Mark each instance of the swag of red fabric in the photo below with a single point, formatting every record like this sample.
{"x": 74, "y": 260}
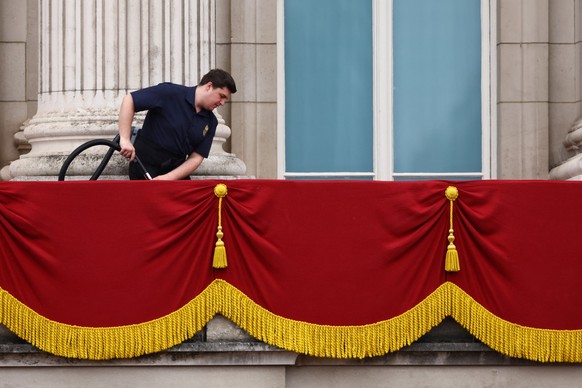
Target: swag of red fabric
{"x": 104, "y": 254}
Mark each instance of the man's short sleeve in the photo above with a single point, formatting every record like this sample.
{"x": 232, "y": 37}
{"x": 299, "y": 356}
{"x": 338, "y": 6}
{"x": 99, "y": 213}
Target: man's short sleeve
{"x": 151, "y": 97}
{"x": 204, "y": 147}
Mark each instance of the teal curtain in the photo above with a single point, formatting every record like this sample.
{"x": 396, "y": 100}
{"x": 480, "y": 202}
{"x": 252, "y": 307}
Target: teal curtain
{"x": 437, "y": 86}
{"x": 328, "y": 86}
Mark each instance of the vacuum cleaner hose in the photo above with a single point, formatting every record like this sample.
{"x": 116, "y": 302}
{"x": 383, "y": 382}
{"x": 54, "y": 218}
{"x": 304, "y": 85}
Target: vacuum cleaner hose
{"x": 113, "y": 146}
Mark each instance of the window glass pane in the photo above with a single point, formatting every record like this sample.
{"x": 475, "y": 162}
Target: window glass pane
{"x": 437, "y": 86}
{"x": 439, "y": 178}
{"x": 328, "y": 86}
{"x": 331, "y": 178}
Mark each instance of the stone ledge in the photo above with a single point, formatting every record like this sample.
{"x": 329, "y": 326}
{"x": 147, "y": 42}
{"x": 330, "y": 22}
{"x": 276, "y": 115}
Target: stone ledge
{"x": 259, "y": 354}
{"x": 222, "y": 343}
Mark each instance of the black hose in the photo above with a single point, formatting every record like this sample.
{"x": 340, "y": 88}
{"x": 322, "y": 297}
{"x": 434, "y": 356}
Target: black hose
{"x": 105, "y": 160}
{"x": 113, "y": 145}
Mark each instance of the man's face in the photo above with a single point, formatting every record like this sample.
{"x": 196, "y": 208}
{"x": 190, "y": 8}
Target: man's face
{"x": 215, "y": 97}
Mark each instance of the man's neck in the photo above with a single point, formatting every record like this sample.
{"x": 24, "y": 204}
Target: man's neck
{"x": 198, "y": 99}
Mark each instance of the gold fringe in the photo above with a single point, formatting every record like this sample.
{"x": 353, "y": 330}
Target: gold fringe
{"x": 543, "y": 345}
{"x": 331, "y": 341}
{"x": 219, "y": 259}
{"x": 308, "y": 338}
{"x": 452, "y": 257}
{"x": 103, "y": 343}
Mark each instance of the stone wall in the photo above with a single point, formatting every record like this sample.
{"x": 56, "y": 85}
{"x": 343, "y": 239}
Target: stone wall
{"x": 247, "y": 44}
{"x": 523, "y": 105}
{"x": 18, "y": 73}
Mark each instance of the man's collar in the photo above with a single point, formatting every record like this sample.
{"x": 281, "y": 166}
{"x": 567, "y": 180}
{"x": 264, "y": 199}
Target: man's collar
{"x": 191, "y": 95}
{"x": 191, "y": 98}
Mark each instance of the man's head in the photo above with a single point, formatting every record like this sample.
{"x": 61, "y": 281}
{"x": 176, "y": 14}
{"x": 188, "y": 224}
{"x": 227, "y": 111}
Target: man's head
{"x": 214, "y": 89}
{"x": 219, "y": 79}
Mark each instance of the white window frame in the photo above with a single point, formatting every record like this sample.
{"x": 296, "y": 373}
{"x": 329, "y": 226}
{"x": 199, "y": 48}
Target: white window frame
{"x": 383, "y": 99}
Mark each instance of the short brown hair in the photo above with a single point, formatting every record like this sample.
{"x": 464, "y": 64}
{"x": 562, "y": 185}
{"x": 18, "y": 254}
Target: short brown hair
{"x": 219, "y": 79}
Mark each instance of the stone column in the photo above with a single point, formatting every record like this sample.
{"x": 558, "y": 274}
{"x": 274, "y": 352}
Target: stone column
{"x": 571, "y": 169}
{"x": 523, "y": 107}
{"x": 93, "y": 52}
{"x": 566, "y": 91}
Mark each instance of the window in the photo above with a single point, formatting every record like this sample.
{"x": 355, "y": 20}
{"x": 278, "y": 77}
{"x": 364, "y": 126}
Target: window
{"x": 376, "y": 89}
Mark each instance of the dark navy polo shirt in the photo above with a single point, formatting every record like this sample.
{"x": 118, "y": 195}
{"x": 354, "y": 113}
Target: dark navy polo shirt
{"x": 172, "y": 121}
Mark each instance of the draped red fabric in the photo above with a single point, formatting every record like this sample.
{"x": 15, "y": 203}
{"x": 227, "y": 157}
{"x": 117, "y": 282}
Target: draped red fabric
{"x": 107, "y": 253}
{"x": 520, "y": 250}
{"x": 335, "y": 253}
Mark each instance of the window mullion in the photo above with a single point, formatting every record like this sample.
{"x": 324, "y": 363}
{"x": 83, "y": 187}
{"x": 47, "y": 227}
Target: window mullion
{"x": 382, "y": 62}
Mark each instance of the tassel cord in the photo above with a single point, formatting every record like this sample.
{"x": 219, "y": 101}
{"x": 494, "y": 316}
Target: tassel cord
{"x": 452, "y": 256}
{"x": 219, "y": 259}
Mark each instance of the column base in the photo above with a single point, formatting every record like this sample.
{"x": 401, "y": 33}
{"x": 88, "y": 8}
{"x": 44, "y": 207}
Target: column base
{"x": 47, "y": 168}
{"x": 569, "y": 170}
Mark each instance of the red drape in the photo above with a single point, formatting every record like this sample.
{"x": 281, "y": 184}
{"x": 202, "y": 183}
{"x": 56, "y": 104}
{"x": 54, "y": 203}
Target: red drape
{"x": 327, "y": 253}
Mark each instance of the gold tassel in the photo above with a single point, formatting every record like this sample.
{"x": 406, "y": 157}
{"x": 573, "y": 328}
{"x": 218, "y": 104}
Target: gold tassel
{"x": 219, "y": 260}
{"x": 452, "y": 258}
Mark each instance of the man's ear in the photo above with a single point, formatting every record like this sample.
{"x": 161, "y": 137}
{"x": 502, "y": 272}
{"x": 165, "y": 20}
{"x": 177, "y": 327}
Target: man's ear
{"x": 209, "y": 86}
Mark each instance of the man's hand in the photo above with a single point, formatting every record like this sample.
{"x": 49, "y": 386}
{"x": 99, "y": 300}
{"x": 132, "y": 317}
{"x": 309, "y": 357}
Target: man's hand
{"x": 127, "y": 149}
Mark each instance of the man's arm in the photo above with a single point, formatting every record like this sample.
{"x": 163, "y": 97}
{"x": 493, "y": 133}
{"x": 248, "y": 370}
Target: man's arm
{"x": 183, "y": 170}
{"x": 126, "y": 113}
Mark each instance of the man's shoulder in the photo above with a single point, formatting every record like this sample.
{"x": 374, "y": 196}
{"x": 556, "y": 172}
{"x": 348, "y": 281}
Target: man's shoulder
{"x": 170, "y": 86}
{"x": 162, "y": 88}
{"x": 168, "y": 91}
{"x": 161, "y": 95}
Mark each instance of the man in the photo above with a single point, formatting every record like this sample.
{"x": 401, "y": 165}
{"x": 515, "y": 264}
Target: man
{"x": 179, "y": 127}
